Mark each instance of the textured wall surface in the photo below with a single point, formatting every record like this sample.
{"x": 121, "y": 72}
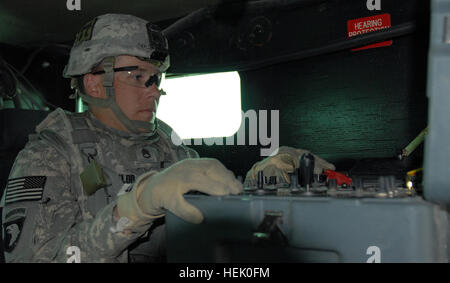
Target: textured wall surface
{"x": 343, "y": 106}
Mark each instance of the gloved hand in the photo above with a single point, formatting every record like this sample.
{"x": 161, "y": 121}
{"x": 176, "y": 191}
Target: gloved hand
{"x": 283, "y": 163}
{"x": 155, "y": 192}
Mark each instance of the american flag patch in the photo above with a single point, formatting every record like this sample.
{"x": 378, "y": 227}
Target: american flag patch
{"x": 25, "y": 189}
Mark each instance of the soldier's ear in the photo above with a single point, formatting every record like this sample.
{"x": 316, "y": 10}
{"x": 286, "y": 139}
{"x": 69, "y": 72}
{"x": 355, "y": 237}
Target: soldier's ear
{"x": 93, "y": 86}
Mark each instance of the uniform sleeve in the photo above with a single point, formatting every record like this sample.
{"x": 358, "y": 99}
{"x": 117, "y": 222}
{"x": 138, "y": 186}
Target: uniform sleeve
{"x": 42, "y": 219}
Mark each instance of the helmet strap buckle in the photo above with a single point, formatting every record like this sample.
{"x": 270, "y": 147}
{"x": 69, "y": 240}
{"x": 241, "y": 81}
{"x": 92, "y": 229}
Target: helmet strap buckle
{"x": 108, "y": 66}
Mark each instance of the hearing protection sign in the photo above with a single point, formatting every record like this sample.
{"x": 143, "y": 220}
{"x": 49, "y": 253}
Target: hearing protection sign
{"x": 369, "y": 24}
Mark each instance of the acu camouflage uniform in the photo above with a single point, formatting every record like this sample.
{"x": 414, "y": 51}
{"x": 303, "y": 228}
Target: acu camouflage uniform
{"x": 51, "y": 213}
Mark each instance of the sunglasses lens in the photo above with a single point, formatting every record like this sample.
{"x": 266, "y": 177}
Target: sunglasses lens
{"x": 135, "y": 76}
{"x": 154, "y": 79}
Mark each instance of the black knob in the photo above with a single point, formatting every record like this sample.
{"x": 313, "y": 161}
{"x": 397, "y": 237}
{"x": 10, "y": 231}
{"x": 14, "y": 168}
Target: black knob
{"x": 382, "y": 183}
{"x": 332, "y": 184}
{"x": 386, "y": 183}
{"x": 390, "y": 183}
{"x": 260, "y": 179}
{"x": 358, "y": 183}
{"x": 306, "y": 169}
{"x": 272, "y": 180}
{"x": 322, "y": 178}
{"x": 294, "y": 180}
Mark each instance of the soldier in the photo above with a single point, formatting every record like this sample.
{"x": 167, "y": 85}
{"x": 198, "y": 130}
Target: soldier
{"x": 93, "y": 186}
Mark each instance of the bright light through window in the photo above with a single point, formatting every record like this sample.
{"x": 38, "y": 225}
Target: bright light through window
{"x": 202, "y": 106}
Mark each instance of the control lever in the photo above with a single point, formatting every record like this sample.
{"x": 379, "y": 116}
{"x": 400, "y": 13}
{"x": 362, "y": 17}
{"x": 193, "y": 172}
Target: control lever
{"x": 306, "y": 171}
{"x": 294, "y": 181}
{"x": 260, "y": 183}
{"x": 260, "y": 180}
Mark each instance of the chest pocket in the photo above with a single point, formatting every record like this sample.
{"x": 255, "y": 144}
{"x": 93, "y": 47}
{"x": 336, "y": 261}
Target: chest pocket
{"x": 152, "y": 157}
{"x": 147, "y": 154}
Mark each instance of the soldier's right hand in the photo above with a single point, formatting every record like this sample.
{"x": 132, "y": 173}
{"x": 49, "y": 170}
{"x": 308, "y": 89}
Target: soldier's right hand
{"x": 156, "y": 192}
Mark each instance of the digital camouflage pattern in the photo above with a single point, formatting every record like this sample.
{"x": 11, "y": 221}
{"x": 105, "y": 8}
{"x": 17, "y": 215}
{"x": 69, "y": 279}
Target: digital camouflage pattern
{"x": 66, "y": 216}
{"x": 116, "y": 34}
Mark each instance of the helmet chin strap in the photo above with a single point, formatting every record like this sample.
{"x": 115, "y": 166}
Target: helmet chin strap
{"x": 134, "y": 126}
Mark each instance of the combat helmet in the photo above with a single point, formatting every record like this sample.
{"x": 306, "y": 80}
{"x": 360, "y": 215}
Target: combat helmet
{"x": 105, "y": 37}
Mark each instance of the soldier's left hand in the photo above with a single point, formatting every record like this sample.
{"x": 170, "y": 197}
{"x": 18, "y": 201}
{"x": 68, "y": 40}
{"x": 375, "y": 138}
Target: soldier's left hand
{"x": 283, "y": 163}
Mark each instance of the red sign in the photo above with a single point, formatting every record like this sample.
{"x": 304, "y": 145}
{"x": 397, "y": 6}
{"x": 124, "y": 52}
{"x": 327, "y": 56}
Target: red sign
{"x": 369, "y": 24}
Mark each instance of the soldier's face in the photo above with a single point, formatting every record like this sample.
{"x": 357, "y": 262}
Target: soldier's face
{"x": 136, "y": 101}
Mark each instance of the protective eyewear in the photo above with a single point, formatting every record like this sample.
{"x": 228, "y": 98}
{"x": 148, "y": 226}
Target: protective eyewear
{"x": 136, "y": 76}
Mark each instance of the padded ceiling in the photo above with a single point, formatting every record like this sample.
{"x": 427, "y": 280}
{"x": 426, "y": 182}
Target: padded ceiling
{"x": 31, "y": 22}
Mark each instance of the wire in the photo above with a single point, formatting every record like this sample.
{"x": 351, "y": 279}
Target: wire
{"x": 30, "y": 59}
{"x": 35, "y": 52}
{"x": 31, "y": 85}
{"x": 30, "y": 100}
{"x": 30, "y": 97}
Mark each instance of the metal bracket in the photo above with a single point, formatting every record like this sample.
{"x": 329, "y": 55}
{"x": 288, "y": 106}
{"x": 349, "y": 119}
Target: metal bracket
{"x": 269, "y": 231}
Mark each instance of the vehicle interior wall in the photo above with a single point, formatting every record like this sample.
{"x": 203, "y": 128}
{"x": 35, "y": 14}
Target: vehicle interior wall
{"x": 344, "y": 106}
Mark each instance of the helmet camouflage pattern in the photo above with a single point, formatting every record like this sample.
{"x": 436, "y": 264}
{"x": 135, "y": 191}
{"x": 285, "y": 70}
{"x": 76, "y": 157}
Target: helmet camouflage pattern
{"x": 113, "y": 35}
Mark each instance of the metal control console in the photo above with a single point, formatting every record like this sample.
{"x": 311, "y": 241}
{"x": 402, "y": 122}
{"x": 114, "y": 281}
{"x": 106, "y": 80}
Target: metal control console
{"x": 321, "y": 220}
{"x": 271, "y": 228}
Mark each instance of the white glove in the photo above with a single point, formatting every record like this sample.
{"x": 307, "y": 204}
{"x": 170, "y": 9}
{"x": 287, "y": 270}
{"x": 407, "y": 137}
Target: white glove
{"x": 154, "y": 192}
{"x": 283, "y": 163}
